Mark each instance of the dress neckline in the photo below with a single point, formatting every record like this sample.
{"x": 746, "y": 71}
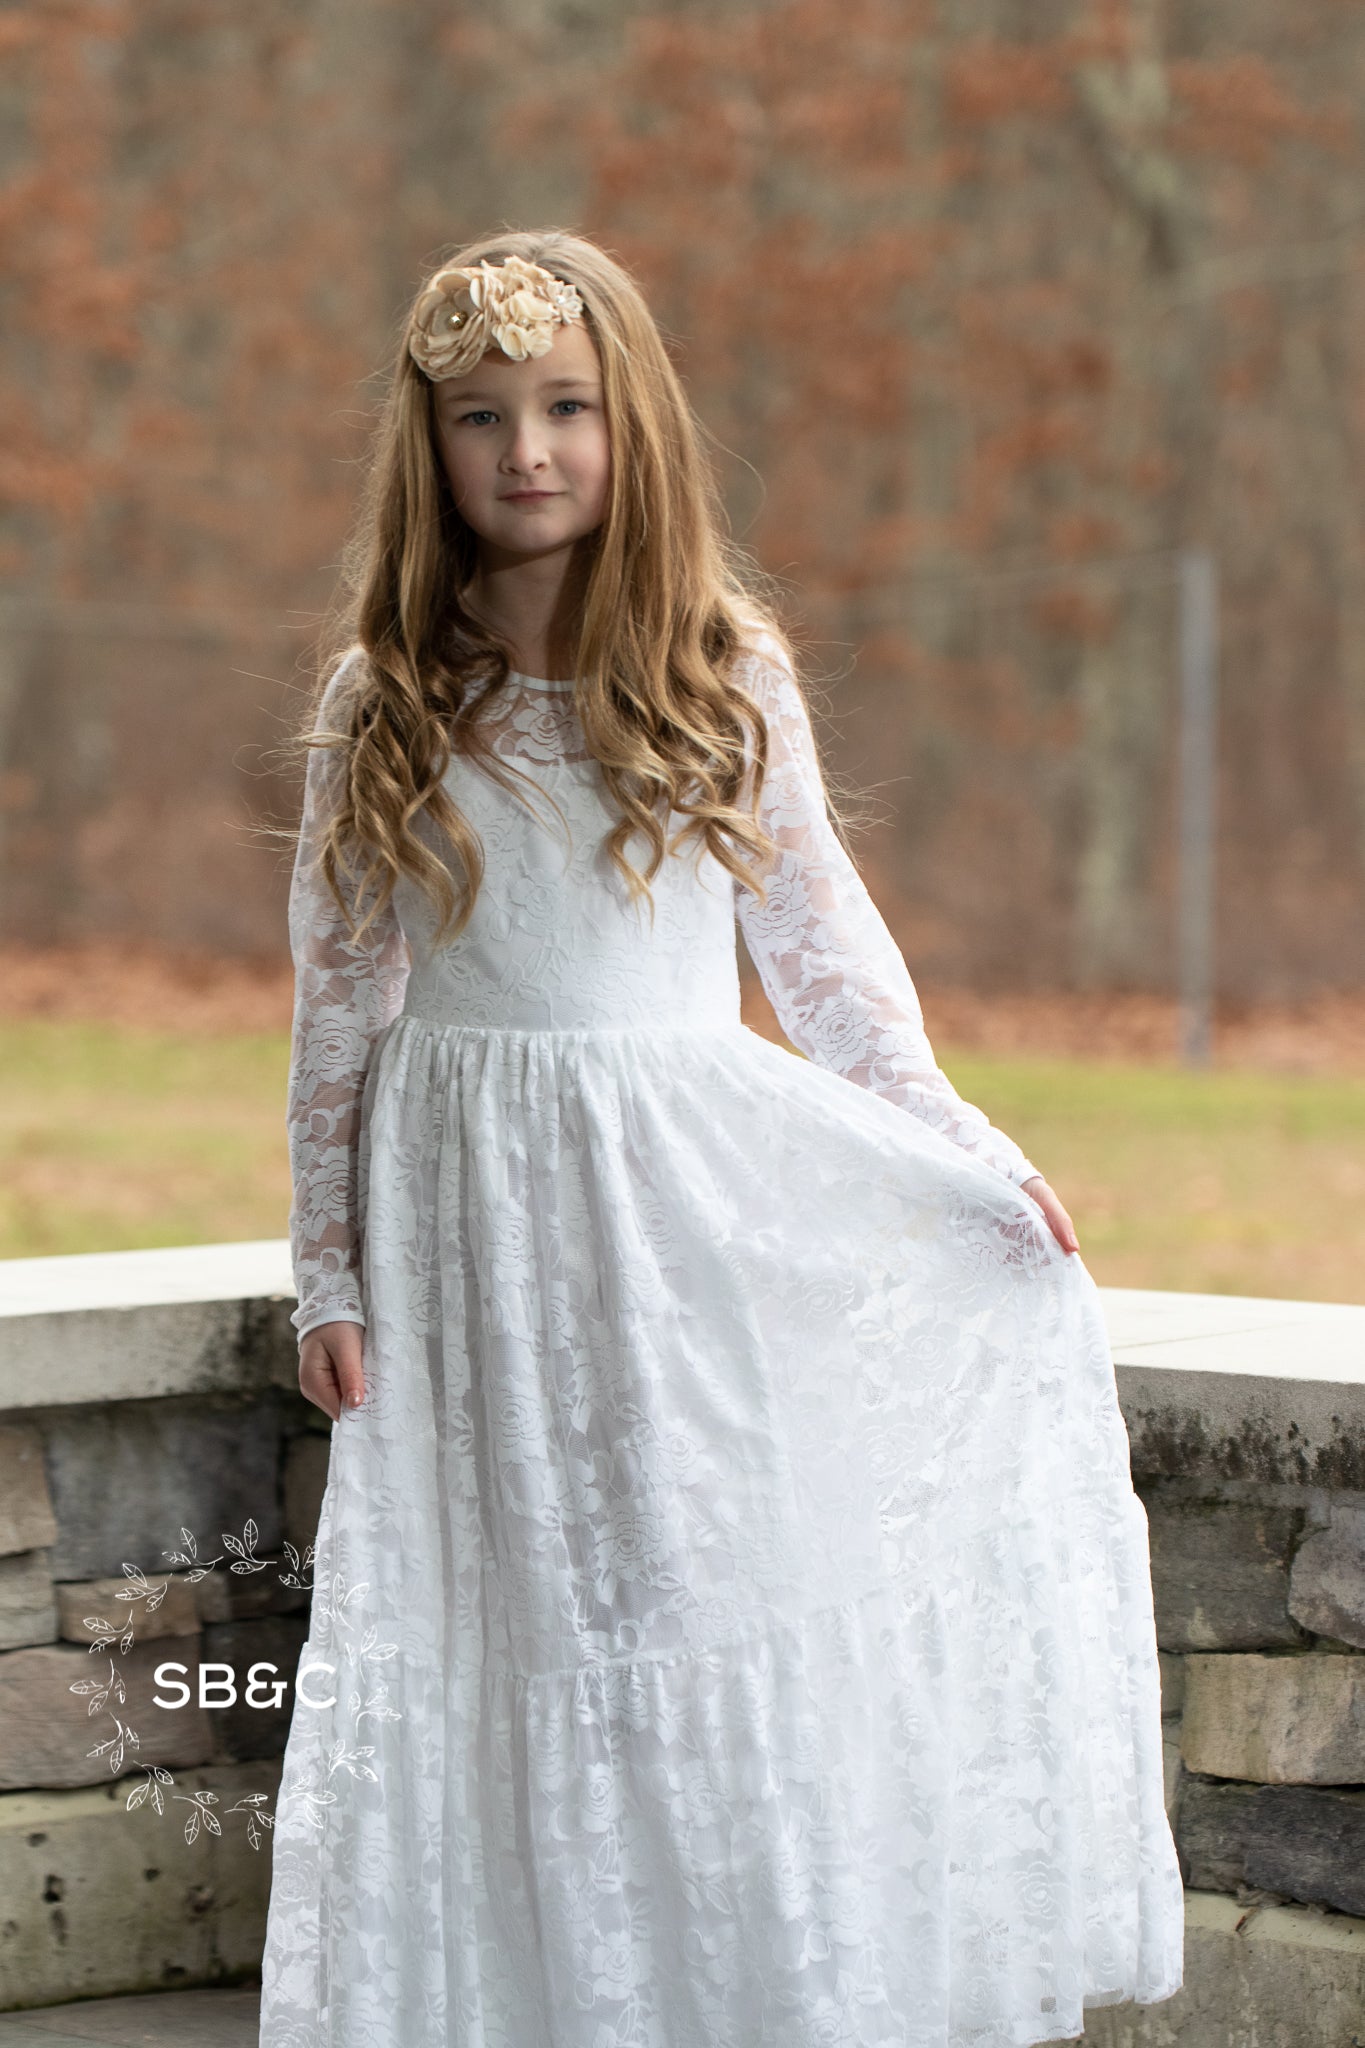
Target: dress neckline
{"x": 541, "y": 682}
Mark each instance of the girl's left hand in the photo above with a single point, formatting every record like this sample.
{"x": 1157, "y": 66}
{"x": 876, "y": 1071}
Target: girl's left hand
{"x": 1062, "y": 1227}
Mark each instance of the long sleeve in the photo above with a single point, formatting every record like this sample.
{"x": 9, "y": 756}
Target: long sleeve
{"x": 344, "y": 994}
{"x": 834, "y": 975}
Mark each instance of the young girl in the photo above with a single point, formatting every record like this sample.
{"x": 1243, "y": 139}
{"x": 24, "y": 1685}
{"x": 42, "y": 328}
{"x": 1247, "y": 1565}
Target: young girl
{"x": 732, "y": 1608}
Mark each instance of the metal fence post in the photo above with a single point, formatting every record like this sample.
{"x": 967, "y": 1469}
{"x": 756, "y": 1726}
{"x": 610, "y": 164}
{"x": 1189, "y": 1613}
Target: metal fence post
{"x": 1198, "y": 587}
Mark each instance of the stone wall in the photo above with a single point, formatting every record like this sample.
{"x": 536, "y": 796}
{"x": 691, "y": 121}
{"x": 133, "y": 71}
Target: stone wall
{"x": 1265, "y": 1780}
{"x": 1247, "y": 1427}
{"x": 153, "y": 1441}
{"x": 138, "y": 1531}
{"x": 1261, "y": 1614}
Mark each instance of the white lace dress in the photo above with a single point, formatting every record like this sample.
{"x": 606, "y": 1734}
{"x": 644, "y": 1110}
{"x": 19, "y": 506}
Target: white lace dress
{"x": 732, "y": 1624}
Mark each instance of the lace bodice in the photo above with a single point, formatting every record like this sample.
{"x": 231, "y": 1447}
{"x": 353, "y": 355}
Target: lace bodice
{"x": 555, "y": 944}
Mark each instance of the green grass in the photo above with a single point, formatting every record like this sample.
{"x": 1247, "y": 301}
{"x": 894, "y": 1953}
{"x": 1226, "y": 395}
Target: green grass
{"x": 1226, "y": 1182}
{"x": 1229, "y": 1181}
{"x": 112, "y": 1138}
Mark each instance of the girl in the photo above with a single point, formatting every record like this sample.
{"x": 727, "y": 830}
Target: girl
{"x": 731, "y": 1596}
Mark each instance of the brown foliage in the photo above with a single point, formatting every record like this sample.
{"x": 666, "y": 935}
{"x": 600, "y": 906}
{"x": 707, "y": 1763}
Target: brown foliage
{"x": 985, "y": 328}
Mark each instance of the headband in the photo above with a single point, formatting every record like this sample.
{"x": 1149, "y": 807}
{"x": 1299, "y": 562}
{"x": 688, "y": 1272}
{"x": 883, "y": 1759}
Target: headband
{"x": 515, "y": 306}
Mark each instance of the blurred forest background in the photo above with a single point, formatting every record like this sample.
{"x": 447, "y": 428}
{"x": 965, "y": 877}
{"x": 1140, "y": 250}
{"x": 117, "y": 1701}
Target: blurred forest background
{"x": 991, "y": 309}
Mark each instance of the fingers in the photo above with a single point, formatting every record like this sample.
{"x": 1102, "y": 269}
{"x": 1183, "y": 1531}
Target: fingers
{"x": 1063, "y": 1229}
{"x": 330, "y": 1367}
{"x": 316, "y": 1381}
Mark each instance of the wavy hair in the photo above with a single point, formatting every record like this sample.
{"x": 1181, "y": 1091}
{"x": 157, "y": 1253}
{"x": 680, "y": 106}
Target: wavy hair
{"x": 668, "y": 601}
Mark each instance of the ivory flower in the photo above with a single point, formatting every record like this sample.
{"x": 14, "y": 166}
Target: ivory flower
{"x": 464, "y": 311}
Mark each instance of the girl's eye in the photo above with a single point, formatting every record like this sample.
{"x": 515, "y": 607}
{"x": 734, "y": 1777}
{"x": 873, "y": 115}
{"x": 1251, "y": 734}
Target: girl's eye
{"x": 485, "y": 412}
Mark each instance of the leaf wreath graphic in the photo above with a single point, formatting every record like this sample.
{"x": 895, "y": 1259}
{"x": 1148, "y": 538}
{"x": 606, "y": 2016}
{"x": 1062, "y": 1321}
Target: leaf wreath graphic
{"x": 334, "y": 1607}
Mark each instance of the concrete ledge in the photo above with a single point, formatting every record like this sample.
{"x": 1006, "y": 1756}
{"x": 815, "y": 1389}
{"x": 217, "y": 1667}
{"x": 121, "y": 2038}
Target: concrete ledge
{"x": 1235, "y": 1386}
{"x": 118, "y": 1326}
{"x": 1273, "y": 1976}
{"x": 1247, "y": 1979}
{"x": 100, "y": 1901}
{"x": 1216, "y": 1385}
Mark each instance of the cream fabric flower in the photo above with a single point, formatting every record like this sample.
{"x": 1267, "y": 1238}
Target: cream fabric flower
{"x": 464, "y": 311}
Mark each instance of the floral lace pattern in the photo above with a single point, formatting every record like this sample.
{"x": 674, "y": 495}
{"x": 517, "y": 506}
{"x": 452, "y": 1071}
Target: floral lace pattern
{"x": 741, "y": 1481}
{"x": 835, "y": 977}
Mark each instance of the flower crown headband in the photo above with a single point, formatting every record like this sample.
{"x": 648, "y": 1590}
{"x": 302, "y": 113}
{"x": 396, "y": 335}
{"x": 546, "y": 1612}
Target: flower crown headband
{"x": 464, "y": 311}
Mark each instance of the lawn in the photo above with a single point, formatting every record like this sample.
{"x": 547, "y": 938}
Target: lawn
{"x": 1229, "y": 1181}
{"x": 113, "y": 1137}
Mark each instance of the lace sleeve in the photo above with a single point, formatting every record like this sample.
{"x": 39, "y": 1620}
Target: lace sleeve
{"x": 344, "y": 993}
{"x": 834, "y": 975}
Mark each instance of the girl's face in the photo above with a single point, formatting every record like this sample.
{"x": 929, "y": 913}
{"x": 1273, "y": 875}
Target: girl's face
{"x": 525, "y": 446}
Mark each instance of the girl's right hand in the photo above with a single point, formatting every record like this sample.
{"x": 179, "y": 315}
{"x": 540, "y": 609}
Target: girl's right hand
{"x": 330, "y": 1367}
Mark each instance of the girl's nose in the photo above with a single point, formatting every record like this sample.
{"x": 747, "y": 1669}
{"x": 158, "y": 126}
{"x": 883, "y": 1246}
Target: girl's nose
{"x": 527, "y": 449}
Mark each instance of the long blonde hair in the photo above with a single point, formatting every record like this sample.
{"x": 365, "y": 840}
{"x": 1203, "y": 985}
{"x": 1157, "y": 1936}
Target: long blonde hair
{"x": 669, "y": 602}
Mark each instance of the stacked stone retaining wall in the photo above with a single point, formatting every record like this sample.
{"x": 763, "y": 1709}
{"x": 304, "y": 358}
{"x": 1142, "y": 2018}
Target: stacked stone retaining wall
{"x": 160, "y": 1480}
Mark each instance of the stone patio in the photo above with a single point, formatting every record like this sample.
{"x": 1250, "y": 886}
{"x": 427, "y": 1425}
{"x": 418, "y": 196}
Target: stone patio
{"x": 166, "y": 2019}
